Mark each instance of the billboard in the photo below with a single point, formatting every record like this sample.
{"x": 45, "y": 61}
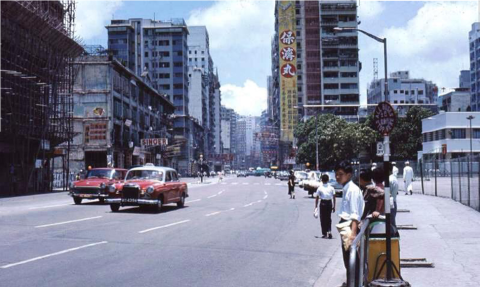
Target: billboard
{"x": 287, "y": 40}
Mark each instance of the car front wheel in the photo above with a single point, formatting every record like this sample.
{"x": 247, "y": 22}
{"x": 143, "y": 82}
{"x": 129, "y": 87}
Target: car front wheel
{"x": 115, "y": 207}
{"x": 158, "y": 208}
{"x": 101, "y": 200}
{"x": 181, "y": 203}
{"x": 77, "y": 200}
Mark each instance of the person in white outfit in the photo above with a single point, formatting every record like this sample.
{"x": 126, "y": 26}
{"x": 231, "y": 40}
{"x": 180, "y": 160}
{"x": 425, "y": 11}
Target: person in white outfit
{"x": 326, "y": 196}
{"x": 408, "y": 178}
{"x": 394, "y": 169}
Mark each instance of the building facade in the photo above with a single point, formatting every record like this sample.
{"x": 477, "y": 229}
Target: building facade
{"x": 448, "y": 135}
{"x": 474, "y": 41}
{"x": 159, "y": 50}
{"x": 455, "y": 101}
{"x": 403, "y": 92}
{"x": 114, "y": 110}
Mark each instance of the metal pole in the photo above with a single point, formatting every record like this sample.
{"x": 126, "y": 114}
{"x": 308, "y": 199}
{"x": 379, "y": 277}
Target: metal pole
{"x": 421, "y": 175}
{"x": 435, "y": 173}
{"x": 386, "y": 166}
{"x": 316, "y": 140}
{"x": 386, "y": 75}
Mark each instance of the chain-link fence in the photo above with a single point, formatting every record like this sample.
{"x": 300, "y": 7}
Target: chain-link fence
{"x": 457, "y": 179}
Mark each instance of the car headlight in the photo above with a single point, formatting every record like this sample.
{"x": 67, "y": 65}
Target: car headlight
{"x": 102, "y": 185}
{"x": 150, "y": 189}
{"x": 111, "y": 188}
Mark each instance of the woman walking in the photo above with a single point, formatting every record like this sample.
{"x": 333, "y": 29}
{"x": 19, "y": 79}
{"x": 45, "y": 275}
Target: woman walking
{"x": 326, "y": 194}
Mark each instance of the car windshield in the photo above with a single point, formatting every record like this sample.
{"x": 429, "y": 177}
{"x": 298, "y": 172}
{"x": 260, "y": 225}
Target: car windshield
{"x": 145, "y": 174}
{"x": 99, "y": 173}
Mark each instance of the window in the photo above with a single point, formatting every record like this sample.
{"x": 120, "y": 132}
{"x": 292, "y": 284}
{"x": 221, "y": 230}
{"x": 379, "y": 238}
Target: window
{"x": 395, "y": 91}
{"x": 178, "y": 75}
{"x": 190, "y": 52}
{"x": 299, "y": 88}
{"x": 164, "y": 76}
{"x": 299, "y": 66}
{"x": 476, "y": 133}
{"x": 203, "y": 59}
{"x": 203, "y": 52}
{"x": 178, "y": 64}
{"x": 420, "y": 92}
{"x": 458, "y": 133}
{"x": 164, "y": 43}
{"x": 165, "y": 87}
{"x": 178, "y": 86}
{"x": 164, "y": 65}
{"x": 146, "y": 54}
{"x": 195, "y": 52}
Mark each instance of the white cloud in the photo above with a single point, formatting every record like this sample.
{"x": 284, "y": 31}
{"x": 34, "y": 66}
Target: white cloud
{"x": 250, "y": 99}
{"x": 240, "y": 34}
{"x": 433, "y": 45}
{"x": 93, "y": 16}
{"x": 370, "y": 9}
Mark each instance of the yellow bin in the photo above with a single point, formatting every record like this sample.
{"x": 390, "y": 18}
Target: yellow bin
{"x": 377, "y": 246}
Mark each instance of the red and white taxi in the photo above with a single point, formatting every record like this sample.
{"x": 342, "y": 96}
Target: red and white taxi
{"x": 148, "y": 185}
{"x": 95, "y": 184}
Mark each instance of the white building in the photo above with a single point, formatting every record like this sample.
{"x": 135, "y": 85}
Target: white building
{"x": 453, "y": 130}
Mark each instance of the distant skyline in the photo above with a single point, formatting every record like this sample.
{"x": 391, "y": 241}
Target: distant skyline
{"x": 429, "y": 39}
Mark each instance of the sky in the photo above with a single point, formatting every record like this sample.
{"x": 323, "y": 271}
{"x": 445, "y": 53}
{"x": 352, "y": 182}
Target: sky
{"x": 427, "y": 38}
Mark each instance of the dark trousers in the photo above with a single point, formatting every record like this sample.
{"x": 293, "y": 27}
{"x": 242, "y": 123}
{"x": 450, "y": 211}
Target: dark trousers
{"x": 346, "y": 259}
{"x": 326, "y": 216}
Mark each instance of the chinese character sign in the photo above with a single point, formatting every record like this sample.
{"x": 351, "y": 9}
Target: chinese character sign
{"x": 287, "y": 40}
{"x": 384, "y": 118}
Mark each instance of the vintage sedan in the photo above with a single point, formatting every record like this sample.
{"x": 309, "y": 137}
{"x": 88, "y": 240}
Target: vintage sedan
{"x": 148, "y": 186}
{"x": 94, "y": 185}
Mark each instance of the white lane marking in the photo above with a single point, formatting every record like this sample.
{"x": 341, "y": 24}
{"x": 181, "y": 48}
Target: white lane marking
{"x": 192, "y": 201}
{"x": 279, "y": 184}
{"x": 223, "y": 183}
{"x": 66, "y": 222}
{"x": 268, "y": 184}
{"x": 259, "y": 201}
{"x": 234, "y": 183}
{"x": 212, "y": 196}
{"x": 250, "y": 204}
{"x": 52, "y": 254}
{"x": 265, "y": 197}
{"x": 48, "y": 206}
{"x": 221, "y": 192}
{"x": 245, "y": 183}
{"x": 164, "y": 226}
{"x": 213, "y": 213}
{"x": 232, "y": 209}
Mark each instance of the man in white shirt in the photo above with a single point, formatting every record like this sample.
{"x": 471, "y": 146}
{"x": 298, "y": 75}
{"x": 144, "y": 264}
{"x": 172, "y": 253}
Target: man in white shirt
{"x": 394, "y": 169}
{"x": 408, "y": 178}
{"x": 393, "y": 193}
{"x": 351, "y": 208}
{"x": 326, "y": 194}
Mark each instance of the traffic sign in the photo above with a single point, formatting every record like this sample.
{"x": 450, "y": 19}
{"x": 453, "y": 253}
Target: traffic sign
{"x": 380, "y": 149}
{"x": 384, "y": 118}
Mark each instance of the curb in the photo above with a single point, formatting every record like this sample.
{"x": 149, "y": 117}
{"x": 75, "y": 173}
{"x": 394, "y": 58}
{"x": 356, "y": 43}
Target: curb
{"x": 334, "y": 273}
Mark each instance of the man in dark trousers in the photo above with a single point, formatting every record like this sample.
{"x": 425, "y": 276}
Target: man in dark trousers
{"x": 291, "y": 185}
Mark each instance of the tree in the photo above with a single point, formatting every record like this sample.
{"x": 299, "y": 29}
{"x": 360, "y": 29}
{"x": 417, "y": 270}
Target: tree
{"x": 337, "y": 140}
{"x": 406, "y": 137}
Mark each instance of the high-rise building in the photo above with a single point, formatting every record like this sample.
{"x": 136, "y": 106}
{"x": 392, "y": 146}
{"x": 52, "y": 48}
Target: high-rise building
{"x": 464, "y": 79}
{"x": 158, "y": 50}
{"x": 474, "y": 39}
{"x": 403, "y": 92}
{"x": 199, "y": 57}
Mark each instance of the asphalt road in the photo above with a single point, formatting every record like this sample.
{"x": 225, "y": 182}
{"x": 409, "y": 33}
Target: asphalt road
{"x": 241, "y": 232}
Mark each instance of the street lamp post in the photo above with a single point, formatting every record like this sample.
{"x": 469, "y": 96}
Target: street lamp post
{"x": 386, "y": 165}
{"x": 316, "y": 140}
{"x": 470, "y": 167}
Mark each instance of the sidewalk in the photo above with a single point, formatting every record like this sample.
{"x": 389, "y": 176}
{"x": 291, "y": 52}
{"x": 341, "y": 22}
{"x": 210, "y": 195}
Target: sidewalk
{"x": 448, "y": 235}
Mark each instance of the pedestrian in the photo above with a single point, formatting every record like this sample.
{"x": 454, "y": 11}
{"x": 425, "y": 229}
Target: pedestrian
{"x": 393, "y": 194}
{"x": 394, "y": 169}
{"x": 220, "y": 176}
{"x": 326, "y": 194}
{"x": 351, "y": 208}
{"x": 408, "y": 178}
{"x": 291, "y": 185}
{"x": 374, "y": 195}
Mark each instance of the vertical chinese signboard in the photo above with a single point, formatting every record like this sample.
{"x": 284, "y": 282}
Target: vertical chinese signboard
{"x": 288, "y": 68}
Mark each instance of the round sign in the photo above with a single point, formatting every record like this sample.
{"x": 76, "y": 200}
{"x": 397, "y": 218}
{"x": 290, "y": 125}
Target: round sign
{"x": 384, "y": 118}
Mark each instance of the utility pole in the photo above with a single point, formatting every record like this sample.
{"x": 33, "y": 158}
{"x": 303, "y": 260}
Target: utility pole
{"x": 316, "y": 140}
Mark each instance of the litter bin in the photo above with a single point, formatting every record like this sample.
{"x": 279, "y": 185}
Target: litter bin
{"x": 377, "y": 246}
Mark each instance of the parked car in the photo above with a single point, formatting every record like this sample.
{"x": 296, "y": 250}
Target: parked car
{"x": 283, "y": 175}
{"x": 300, "y": 176}
{"x": 312, "y": 182}
{"x": 94, "y": 185}
{"x": 148, "y": 186}
{"x": 333, "y": 182}
{"x": 241, "y": 174}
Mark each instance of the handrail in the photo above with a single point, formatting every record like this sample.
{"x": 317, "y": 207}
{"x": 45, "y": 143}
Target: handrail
{"x": 359, "y": 240}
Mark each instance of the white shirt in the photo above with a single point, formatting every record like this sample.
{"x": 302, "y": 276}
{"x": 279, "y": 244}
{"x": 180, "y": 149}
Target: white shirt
{"x": 325, "y": 192}
{"x": 407, "y": 173}
{"x": 395, "y": 171}
{"x": 393, "y": 186}
{"x": 352, "y": 202}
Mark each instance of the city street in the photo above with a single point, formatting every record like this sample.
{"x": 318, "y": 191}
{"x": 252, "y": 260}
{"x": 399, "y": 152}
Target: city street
{"x": 240, "y": 232}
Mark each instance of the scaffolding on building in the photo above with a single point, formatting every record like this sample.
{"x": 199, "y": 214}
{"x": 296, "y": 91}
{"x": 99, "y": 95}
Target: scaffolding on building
{"x": 37, "y": 77}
